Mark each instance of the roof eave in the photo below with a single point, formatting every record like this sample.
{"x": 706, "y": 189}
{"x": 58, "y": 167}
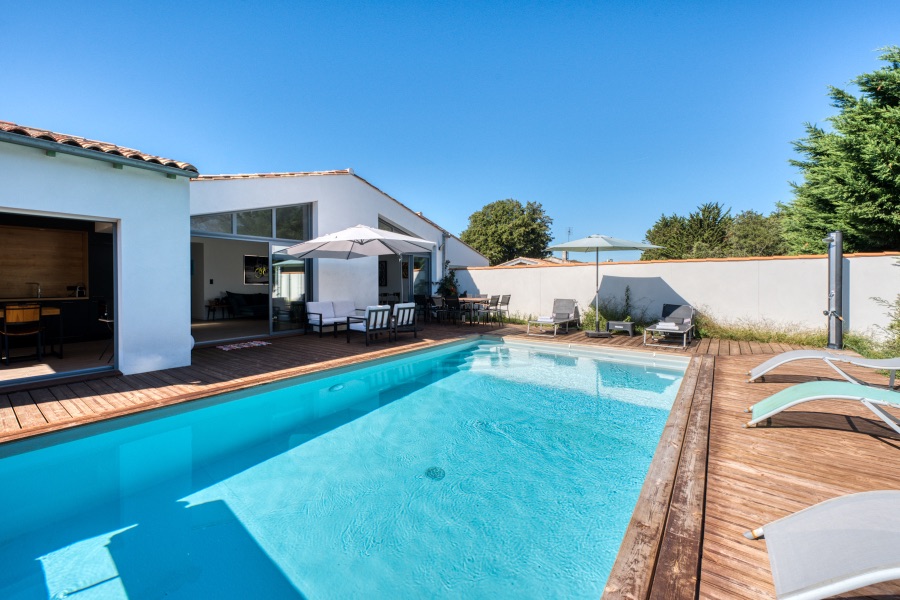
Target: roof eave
{"x": 49, "y": 146}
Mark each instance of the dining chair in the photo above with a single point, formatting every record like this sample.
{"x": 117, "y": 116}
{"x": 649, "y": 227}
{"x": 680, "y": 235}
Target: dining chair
{"x": 454, "y": 310}
{"x": 489, "y": 311}
{"x": 503, "y": 308}
{"x": 21, "y": 320}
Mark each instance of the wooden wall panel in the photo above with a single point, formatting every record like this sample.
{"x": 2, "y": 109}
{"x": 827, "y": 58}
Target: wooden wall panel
{"x": 53, "y": 257}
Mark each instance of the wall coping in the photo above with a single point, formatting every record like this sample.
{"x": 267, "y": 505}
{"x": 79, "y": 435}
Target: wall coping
{"x": 683, "y": 260}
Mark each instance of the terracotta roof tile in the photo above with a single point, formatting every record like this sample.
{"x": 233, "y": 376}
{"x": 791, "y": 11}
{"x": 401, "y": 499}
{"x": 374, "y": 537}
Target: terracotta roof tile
{"x": 86, "y": 144}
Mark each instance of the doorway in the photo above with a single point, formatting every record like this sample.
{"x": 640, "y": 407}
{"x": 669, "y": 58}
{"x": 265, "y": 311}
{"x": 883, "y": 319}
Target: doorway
{"x": 67, "y": 267}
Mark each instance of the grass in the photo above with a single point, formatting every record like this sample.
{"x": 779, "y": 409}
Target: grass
{"x": 750, "y": 331}
{"x": 765, "y": 332}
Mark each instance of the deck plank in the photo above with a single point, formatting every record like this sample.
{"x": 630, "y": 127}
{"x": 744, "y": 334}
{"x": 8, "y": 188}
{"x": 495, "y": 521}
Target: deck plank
{"x": 74, "y": 405}
{"x": 27, "y": 413}
{"x": 678, "y": 564}
{"x": 632, "y": 573}
{"x": 809, "y": 454}
{"x": 49, "y": 406}
{"x": 8, "y": 421}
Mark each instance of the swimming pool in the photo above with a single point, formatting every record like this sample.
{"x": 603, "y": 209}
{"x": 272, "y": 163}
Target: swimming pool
{"x": 484, "y": 469}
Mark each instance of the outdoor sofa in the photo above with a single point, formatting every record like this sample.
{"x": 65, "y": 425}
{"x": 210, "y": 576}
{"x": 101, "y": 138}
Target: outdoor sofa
{"x": 333, "y": 314}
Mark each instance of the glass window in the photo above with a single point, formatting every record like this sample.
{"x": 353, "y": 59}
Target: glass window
{"x": 289, "y": 287}
{"x": 422, "y": 275}
{"x": 254, "y": 222}
{"x": 292, "y": 222}
{"x": 212, "y": 223}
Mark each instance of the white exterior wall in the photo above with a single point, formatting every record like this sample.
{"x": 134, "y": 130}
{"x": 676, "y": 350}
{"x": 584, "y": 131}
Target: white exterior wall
{"x": 339, "y": 201}
{"x": 783, "y": 292}
{"x": 152, "y": 242}
{"x": 460, "y": 254}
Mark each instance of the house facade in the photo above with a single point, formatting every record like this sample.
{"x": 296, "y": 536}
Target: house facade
{"x": 133, "y": 257}
{"x": 240, "y": 220}
{"x": 96, "y": 230}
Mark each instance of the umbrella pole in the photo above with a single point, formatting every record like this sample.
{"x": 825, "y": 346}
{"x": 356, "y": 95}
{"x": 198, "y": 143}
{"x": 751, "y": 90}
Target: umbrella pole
{"x": 597, "y": 290}
{"x": 596, "y": 332}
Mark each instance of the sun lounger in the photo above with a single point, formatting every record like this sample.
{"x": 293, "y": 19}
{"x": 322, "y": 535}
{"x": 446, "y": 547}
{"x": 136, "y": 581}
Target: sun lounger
{"x": 677, "y": 323}
{"x": 875, "y": 399}
{"x": 564, "y": 312}
{"x": 887, "y": 364}
{"x": 836, "y": 546}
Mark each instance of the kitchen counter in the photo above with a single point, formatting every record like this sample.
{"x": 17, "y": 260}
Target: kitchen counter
{"x": 43, "y": 299}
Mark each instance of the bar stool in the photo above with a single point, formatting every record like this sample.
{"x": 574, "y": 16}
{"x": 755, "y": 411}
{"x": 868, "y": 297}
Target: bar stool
{"x": 109, "y": 323}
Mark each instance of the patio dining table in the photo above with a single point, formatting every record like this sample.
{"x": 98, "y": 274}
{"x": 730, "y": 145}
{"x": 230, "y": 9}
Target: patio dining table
{"x": 472, "y": 304}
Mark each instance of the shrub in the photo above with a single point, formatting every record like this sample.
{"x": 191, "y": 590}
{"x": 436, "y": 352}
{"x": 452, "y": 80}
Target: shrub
{"x": 615, "y": 309}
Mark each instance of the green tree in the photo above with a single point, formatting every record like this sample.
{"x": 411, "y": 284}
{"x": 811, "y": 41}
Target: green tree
{"x": 702, "y": 234}
{"x": 505, "y": 229}
{"x": 670, "y": 233}
{"x": 754, "y": 234}
{"x": 851, "y": 173}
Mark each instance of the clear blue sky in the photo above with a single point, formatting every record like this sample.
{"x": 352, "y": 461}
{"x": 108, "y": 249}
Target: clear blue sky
{"x": 607, "y": 113}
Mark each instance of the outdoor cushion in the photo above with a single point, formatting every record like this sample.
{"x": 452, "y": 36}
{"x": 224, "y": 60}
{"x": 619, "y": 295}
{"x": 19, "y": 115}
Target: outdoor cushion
{"x": 319, "y": 308}
{"x": 361, "y": 325}
{"x": 344, "y": 308}
{"x": 407, "y": 316}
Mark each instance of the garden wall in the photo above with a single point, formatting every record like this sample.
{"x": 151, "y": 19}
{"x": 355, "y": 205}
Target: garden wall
{"x": 779, "y": 291}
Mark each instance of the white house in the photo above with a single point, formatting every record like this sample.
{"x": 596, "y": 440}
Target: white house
{"x": 127, "y": 253}
{"x": 94, "y": 229}
{"x": 238, "y": 221}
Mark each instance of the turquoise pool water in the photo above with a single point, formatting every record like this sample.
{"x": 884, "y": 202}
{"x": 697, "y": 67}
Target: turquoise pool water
{"x": 482, "y": 470}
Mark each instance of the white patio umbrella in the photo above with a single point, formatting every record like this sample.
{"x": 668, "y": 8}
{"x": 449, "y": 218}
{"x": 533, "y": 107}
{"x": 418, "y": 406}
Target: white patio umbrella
{"x": 597, "y": 243}
{"x": 357, "y": 242}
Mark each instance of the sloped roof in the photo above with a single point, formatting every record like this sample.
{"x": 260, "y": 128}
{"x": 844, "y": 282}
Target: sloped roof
{"x": 274, "y": 175}
{"x": 95, "y": 146}
{"x": 326, "y": 173}
{"x": 525, "y": 260}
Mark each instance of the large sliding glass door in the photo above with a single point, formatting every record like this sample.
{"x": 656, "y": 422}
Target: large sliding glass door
{"x": 419, "y": 267}
{"x": 290, "y": 283}
{"x": 277, "y": 286}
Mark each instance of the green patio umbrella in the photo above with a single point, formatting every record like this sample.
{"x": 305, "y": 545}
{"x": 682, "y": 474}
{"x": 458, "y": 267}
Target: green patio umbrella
{"x": 597, "y": 243}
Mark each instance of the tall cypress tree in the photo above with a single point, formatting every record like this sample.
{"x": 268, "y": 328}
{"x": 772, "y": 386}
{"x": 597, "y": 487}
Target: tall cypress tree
{"x": 851, "y": 173}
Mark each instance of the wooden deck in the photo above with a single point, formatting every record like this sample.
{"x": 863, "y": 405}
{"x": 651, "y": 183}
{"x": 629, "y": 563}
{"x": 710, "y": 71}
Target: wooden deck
{"x": 711, "y": 481}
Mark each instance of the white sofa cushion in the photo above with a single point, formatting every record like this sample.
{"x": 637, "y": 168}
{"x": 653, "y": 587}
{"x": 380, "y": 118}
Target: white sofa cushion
{"x": 344, "y": 308}
{"x": 322, "y": 308}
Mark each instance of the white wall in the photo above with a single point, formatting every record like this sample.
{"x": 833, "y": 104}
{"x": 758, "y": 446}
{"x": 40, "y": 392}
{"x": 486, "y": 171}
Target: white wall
{"x": 340, "y": 201}
{"x": 152, "y": 243}
{"x": 784, "y": 291}
{"x": 460, "y": 254}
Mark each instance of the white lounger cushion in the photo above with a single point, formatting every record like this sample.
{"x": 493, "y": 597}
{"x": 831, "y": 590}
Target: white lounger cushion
{"x": 835, "y": 546}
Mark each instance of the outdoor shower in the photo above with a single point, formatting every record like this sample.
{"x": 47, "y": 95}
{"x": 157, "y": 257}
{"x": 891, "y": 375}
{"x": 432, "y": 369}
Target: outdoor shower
{"x": 835, "y": 290}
